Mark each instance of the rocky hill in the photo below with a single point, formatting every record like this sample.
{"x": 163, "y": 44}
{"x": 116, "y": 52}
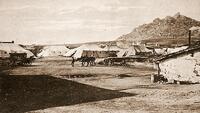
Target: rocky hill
{"x": 176, "y": 27}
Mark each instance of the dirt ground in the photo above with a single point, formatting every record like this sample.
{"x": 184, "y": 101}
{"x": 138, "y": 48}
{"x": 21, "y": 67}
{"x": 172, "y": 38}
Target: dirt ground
{"x": 51, "y": 85}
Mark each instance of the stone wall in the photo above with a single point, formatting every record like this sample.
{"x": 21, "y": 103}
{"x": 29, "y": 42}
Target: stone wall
{"x": 185, "y": 68}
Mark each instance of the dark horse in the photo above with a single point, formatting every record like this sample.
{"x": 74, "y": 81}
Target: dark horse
{"x": 85, "y": 59}
{"x": 28, "y": 60}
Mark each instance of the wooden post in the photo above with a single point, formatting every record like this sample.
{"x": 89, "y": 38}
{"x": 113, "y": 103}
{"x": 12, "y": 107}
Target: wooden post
{"x": 189, "y": 38}
{"x": 152, "y": 78}
{"x": 158, "y": 69}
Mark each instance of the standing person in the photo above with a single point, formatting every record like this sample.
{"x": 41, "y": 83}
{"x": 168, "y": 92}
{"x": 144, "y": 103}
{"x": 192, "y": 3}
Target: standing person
{"x": 73, "y": 60}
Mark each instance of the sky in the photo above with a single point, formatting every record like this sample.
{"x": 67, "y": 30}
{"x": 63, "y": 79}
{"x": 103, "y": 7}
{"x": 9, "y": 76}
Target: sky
{"x": 77, "y": 21}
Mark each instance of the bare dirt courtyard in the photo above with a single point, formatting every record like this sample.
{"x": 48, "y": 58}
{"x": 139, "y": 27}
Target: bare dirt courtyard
{"x": 51, "y": 85}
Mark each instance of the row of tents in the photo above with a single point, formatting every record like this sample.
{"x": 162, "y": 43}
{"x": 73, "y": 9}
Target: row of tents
{"x": 103, "y": 51}
{"x": 97, "y": 50}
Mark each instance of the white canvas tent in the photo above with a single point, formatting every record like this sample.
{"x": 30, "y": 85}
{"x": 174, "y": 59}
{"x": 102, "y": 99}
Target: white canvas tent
{"x": 77, "y": 52}
{"x": 113, "y": 48}
{"x": 126, "y": 52}
{"x": 164, "y": 51}
{"x": 71, "y": 52}
{"x": 132, "y": 50}
{"x": 53, "y": 51}
{"x": 195, "y": 28}
{"x": 7, "y": 48}
{"x": 173, "y": 50}
{"x": 141, "y": 48}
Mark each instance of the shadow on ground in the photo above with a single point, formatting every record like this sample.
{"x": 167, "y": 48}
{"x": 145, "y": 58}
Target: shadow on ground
{"x": 21, "y": 93}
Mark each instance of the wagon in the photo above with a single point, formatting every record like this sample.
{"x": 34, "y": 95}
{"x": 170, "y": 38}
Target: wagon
{"x": 123, "y": 60}
{"x": 20, "y": 59}
{"x": 17, "y": 58}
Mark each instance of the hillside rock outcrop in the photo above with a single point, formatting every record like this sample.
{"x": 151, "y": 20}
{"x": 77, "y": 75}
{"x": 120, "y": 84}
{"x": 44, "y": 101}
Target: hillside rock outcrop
{"x": 176, "y": 26}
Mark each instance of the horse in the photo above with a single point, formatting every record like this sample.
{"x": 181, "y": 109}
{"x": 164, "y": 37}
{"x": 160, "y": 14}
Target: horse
{"x": 28, "y": 61}
{"x": 85, "y": 59}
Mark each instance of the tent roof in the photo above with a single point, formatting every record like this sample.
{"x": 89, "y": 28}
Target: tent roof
{"x": 14, "y": 48}
{"x": 89, "y": 47}
{"x": 95, "y": 47}
{"x": 53, "y": 51}
{"x": 92, "y": 47}
{"x": 113, "y": 48}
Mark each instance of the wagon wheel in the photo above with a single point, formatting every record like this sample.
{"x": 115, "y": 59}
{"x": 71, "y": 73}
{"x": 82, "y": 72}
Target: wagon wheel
{"x": 11, "y": 62}
{"x": 123, "y": 63}
{"x": 30, "y": 63}
{"x": 21, "y": 63}
{"x": 126, "y": 65}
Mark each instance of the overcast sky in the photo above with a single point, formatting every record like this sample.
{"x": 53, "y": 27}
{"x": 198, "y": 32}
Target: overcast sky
{"x": 75, "y": 21}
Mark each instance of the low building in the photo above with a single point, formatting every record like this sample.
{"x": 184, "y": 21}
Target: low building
{"x": 182, "y": 66}
{"x": 4, "y": 54}
{"x": 10, "y": 47}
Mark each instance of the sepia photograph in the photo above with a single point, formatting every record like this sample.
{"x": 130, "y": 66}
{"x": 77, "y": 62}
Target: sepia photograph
{"x": 99, "y": 56}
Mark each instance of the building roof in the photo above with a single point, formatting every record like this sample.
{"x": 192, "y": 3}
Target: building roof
{"x": 180, "y": 53}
